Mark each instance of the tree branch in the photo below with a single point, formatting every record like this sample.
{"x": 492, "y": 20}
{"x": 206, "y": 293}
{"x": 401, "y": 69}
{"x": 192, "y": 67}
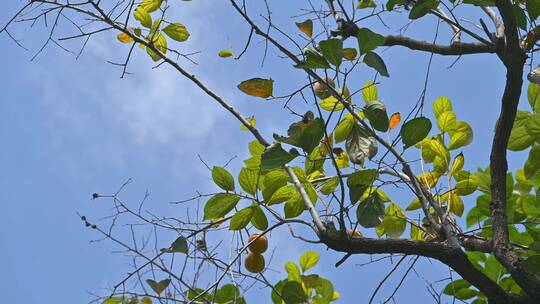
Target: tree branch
{"x": 454, "y": 258}
{"x": 513, "y": 58}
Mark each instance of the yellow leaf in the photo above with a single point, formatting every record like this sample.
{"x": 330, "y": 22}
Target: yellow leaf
{"x": 252, "y": 122}
{"x": 331, "y": 104}
{"x": 225, "y": 53}
{"x": 348, "y": 53}
{"x": 257, "y": 87}
{"x": 457, "y": 164}
{"x": 124, "y": 38}
{"x": 306, "y": 27}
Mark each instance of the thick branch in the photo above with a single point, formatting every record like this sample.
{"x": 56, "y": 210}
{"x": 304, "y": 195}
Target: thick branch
{"x": 514, "y": 59}
{"x": 454, "y": 258}
{"x": 461, "y": 48}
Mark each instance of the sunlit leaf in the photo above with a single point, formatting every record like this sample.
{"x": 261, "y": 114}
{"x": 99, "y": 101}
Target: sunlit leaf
{"x": 176, "y": 31}
{"x": 252, "y": 122}
{"x": 309, "y": 259}
{"x": 143, "y": 17}
{"x": 124, "y": 38}
{"x": 219, "y": 205}
{"x": 225, "y": 53}
{"x": 223, "y": 178}
{"x": 241, "y": 218}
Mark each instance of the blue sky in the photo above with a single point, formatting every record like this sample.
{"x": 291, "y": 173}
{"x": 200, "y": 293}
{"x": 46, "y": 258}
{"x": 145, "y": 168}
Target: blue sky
{"x": 73, "y": 127}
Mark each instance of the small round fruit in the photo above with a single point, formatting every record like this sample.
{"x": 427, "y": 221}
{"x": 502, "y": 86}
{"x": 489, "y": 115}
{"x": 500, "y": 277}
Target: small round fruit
{"x": 355, "y": 234}
{"x": 254, "y": 262}
{"x": 258, "y": 243}
{"x": 320, "y": 89}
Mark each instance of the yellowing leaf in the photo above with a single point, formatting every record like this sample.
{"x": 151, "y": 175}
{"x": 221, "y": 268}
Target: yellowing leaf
{"x": 143, "y": 17}
{"x": 124, "y": 38}
{"x": 176, "y": 31}
{"x": 225, "y": 53}
{"x": 151, "y": 5}
{"x": 331, "y": 104}
{"x": 252, "y": 122}
{"x": 458, "y": 163}
{"x": 258, "y": 87}
{"x": 369, "y": 92}
{"x": 342, "y": 159}
{"x": 160, "y": 43}
{"x": 306, "y": 27}
{"x": 348, "y": 53}
{"x": 395, "y": 119}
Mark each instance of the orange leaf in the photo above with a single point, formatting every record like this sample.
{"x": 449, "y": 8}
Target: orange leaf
{"x": 394, "y": 120}
{"x": 124, "y": 38}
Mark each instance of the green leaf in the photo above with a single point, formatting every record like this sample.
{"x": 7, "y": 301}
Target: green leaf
{"x": 532, "y": 124}
{"x": 294, "y": 207}
{"x": 160, "y": 43}
{"x": 392, "y": 3}
{"x": 293, "y": 293}
{"x": 241, "y": 218}
{"x": 375, "y": 112}
{"x": 325, "y": 289}
{"x": 533, "y": 95}
{"x": 151, "y": 5}
{"x": 143, "y": 17}
{"x": 272, "y": 181}
{"x": 219, "y": 205}
{"x": 176, "y": 31}
{"x": 306, "y": 27}
{"x": 331, "y": 50}
{"x": 248, "y": 180}
{"x": 480, "y": 2}
{"x": 375, "y": 61}
{"x": 344, "y": 128}
{"x": 308, "y": 260}
{"x": 461, "y": 135}
{"x": 533, "y": 8}
{"x": 394, "y": 222}
{"x": 229, "y": 294}
{"x": 360, "y": 144}
{"x": 446, "y": 121}
{"x": 278, "y": 288}
{"x": 180, "y": 245}
{"x": 369, "y": 92}
{"x": 313, "y": 60}
{"x": 293, "y": 272}
{"x": 422, "y": 7}
{"x": 370, "y": 212}
{"x": 363, "y": 177}
{"x": 223, "y": 178}
{"x": 366, "y": 4}
{"x": 465, "y": 294}
{"x": 532, "y": 164}
{"x": 158, "y": 287}
{"x": 493, "y": 269}
{"x": 455, "y": 286}
{"x": 282, "y": 194}
{"x": 415, "y": 130}
{"x": 414, "y": 205}
{"x": 368, "y": 40}
{"x": 532, "y": 264}
{"x": 305, "y": 134}
{"x": 258, "y": 87}
{"x": 274, "y": 157}
{"x": 330, "y": 186}
{"x": 520, "y": 139}
{"x": 259, "y": 220}
{"x": 441, "y": 105}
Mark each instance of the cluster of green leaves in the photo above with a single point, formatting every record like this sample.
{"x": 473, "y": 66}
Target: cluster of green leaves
{"x": 331, "y": 53}
{"x": 437, "y": 150}
{"x": 226, "y": 294}
{"x": 128, "y": 300}
{"x": 300, "y": 287}
{"x": 155, "y": 31}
